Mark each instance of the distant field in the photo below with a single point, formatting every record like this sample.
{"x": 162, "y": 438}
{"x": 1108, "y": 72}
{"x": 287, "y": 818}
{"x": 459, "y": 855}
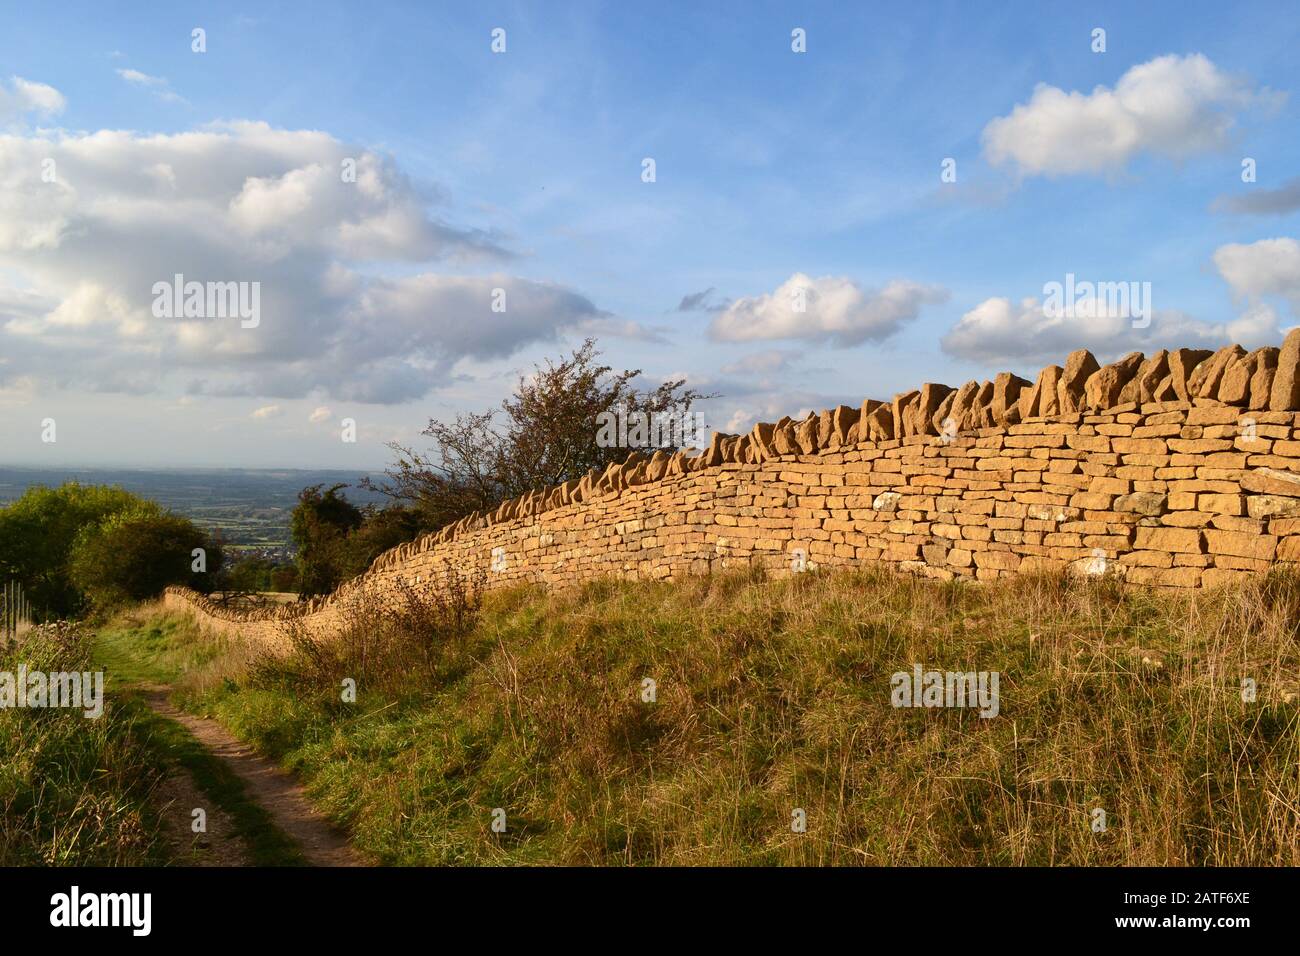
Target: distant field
{"x": 250, "y": 506}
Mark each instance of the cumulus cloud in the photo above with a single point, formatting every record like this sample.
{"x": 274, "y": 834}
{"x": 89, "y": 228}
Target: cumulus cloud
{"x": 350, "y": 302}
{"x": 267, "y": 411}
{"x": 602, "y": 325}
{"x": 140, "y": 79}
{"x": 772, "y": 405}
{"x": 19, "y": 97}
{"x": 1171, "y": 106}
{"x": 1000, "y": 331}
{"x": 1263, "y": 268}
{"x": 834, "y": 309}
{"x": 320, "y": 414}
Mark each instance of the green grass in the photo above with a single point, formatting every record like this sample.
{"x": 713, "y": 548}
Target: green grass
{"x": 73, "y": 791}
{"x": 84, "y": 792}
{"x": 157, "y": 648}
{"x": 773, "y": 696}
{"x": 174, "y": 747}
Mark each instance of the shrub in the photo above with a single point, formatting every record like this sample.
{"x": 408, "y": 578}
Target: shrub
{"x": 548, "y": 433}
{"x": 37, "y": 534}
{"x": 62, "y": 543}
{"x": 415, "y": 642}
{"x": 134, "y": 554}
{"x": 322, "y": 521}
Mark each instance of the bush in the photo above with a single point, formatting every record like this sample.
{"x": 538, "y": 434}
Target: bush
{"x": 322, "y": 521}
{"x": 412, "y": 645}
{"x": 37, "y": 534}
{"x": 133, "y": 555}
{"x": 284, "y": 579}
{"x": 546, "y": 433}
{"x": 336, "y": 540}
{"x": 64, "y": 542}
{"x": 380, "y": 530}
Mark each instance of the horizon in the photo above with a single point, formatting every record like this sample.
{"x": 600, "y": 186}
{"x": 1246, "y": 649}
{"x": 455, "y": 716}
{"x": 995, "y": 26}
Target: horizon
{"x": 188, "y": 469}
{"x": 665, "y": 181}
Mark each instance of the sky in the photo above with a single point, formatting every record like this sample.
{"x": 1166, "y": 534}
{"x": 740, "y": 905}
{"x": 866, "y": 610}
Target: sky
{"x": 789, "y": 205}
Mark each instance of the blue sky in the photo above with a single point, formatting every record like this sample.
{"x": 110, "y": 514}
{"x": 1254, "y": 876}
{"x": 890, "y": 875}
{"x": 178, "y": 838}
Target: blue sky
{"x": 523, "y": 170}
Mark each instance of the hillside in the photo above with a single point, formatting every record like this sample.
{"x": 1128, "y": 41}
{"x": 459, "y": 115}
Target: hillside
{"x": 772, "y": 697}
{"x": 250, "y": 506}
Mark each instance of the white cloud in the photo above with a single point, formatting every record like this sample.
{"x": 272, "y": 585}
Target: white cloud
{"x": 1172, "y": 106}
{"x": 157, "y": 84}
{"x": 770, "y": 406}
{"x": 245, "y": 202}
{"x": 834, "y": 308}
{"x": 320, "y": 414}
{"x": 606, "y": 326}
{"x": 999, "y": 333}
{"x": 1266, "y": 267}
{"x": 20, "y": 390}
{"x": 141, "y": 79}
{"x": 19, "y": 97}
{"x": 267, "y": 411}
{"x": 998, "y": 330}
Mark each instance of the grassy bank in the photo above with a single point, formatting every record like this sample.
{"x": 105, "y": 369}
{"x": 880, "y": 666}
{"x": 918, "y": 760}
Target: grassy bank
{"x": 74, "y": 791}
{"x": 772, "y": 697}
{"x": 77, "y": 791}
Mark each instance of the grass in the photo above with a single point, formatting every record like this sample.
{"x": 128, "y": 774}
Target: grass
{"x": 149, "y": 646}
{"x": 73, "y": 791}
{"x": 773, "y": 696}
{"x": 175, "y": 748}
{"x": 85, "y": 792}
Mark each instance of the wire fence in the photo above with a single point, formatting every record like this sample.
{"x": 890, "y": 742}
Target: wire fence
{"x": 15, "y": 612}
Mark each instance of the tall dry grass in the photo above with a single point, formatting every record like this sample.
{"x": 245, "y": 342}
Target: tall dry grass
{"x": 773, "y": 696}
{"x": 74, "y": 791}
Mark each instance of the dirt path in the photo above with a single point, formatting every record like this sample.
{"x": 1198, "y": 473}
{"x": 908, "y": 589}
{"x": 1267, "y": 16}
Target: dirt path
{"x": 219, "y": 845}
{"x": 274, "y": 789}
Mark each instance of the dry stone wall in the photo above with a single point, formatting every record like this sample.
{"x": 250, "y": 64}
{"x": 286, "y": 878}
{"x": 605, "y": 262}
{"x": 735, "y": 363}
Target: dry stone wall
{"x": 1179, "y": 469}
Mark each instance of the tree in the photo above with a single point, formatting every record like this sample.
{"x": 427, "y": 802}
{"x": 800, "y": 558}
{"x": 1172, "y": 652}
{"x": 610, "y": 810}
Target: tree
{"x": 247, "y": 576}
{"x": 380, "y": 529}
{"x": 321, "y": 524}
{"x": 284, "y": 578}
{"x": 548, "y": 435}
{"x": 37, "y": 535}
{"x": 133, "y": 554}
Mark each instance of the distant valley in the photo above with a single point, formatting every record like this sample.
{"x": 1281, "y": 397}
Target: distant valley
{"x": 251, "y": 507}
